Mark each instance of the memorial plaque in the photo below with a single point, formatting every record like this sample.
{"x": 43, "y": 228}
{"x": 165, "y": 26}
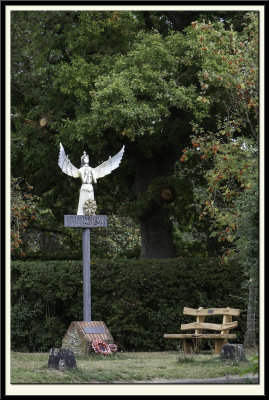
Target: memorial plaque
{"x": 94, "y": 329}
{"x": 85, "y": 221}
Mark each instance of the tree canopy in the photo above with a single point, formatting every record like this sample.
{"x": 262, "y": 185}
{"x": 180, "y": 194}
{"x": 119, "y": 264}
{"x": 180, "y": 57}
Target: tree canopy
{"x": 178, "y": 89}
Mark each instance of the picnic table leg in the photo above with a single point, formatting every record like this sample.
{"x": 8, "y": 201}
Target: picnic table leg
{"x": 199, "y": 318}
{"x": 188, "y": 345}
{"x": 218, "y": 345}
{"x": 226, "y": 320}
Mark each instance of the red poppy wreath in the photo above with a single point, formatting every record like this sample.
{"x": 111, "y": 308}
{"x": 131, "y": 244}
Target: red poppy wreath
{"x": 101, "y": 347}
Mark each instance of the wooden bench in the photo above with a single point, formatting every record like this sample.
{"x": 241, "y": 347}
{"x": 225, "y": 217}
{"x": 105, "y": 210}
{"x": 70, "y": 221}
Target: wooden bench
{"x": 191, "y": 341}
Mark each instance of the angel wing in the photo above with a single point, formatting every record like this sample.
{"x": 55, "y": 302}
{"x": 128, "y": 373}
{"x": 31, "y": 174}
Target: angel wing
{"x": 109, "y": 165}
{"x": 65, "y": 164}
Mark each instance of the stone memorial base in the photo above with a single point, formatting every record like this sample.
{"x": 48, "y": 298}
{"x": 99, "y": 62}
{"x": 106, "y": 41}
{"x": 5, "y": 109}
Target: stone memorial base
{"x": 81, "y": 334}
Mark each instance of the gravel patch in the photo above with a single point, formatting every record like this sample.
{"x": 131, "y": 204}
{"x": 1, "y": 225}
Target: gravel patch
{"x": 228, "y": 379}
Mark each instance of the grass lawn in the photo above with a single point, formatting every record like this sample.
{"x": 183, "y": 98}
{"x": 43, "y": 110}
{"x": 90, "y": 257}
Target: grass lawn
{"x": 126, "y": 367}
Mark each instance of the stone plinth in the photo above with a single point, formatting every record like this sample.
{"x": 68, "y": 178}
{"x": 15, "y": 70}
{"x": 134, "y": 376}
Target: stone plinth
{"x": 81, "y": 334}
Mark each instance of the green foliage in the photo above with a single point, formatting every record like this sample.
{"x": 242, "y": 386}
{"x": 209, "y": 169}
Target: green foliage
{"x": 138, "y": 94}
{"x": 228, "y": 67}
{"x": 24, "y": 210}
{"x": 121, "y": 238}
{"x": 247, "y": 241}
{"x": 226, "y": 147}
{"x": 254, "y": 366}
{"x": 232, "y": 173}
{"x": 42, "y": 302}
{"x": 139, "y": 300}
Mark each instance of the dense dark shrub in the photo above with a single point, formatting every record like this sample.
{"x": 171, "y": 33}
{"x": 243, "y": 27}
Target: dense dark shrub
{"x": 139, "y": 300}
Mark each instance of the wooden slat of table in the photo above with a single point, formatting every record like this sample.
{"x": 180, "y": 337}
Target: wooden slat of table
{"x": 211, "y": 311}
{"x": 199, "y": 336}
{"x": 207, "y": 325}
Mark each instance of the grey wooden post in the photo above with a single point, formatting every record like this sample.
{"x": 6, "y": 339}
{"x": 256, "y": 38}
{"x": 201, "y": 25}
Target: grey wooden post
{"x": 86, "y": 261}
{"x": 86, "y": 222}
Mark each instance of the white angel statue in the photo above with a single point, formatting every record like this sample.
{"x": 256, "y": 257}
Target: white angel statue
{"x": 87, "y": 174}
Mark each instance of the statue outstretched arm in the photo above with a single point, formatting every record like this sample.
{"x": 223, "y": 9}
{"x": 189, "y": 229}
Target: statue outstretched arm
{"x": 109, "y": 165}
{"x": 65, "y": 164}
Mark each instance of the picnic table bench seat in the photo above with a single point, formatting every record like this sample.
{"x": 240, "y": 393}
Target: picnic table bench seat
{"x": 191, "y": 341}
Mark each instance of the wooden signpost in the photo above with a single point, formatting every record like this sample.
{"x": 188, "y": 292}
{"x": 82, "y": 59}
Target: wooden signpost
{"x": 81, "y": 334}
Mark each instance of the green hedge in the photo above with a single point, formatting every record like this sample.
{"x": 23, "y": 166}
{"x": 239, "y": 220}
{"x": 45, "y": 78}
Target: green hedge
{"x": 139, "y": 300}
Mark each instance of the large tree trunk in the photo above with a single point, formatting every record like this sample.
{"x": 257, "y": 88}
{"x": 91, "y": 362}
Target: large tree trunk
{"x": 157, "y": 236}
{"x": 153, "y": 187}
{"x": 156, "y": 227}
{"x": 250, "y": 337}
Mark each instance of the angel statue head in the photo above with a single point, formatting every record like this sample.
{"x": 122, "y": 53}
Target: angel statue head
{"x": 85, "y": 159}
